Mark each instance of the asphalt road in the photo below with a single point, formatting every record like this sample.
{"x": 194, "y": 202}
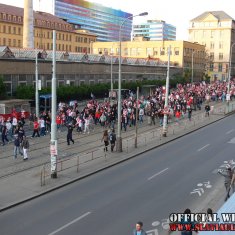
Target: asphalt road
{"x": 149, "y": 187}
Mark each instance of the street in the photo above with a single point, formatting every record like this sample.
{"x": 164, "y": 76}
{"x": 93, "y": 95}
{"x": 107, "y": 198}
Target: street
{"x": 170, "y": 178}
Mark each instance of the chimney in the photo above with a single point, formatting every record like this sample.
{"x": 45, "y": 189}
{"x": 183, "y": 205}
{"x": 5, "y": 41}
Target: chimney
{"x": 28, "y": 34}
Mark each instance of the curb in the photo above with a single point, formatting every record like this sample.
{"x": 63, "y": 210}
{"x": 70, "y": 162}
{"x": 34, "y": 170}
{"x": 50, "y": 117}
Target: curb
{"x": 107, "y": 166}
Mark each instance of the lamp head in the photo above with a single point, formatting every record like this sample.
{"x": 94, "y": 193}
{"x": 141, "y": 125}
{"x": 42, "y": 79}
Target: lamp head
{"x": 143, "y": 14}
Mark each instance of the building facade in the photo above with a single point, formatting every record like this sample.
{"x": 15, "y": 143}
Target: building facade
{"x": 18, "y": 69}
{"x": 100, "y": 20}
{"x": 215, "y": 30}
{"x": 155, "y": 30}
{"x": 68, "y": 39}
{"x": 184, "y": 54}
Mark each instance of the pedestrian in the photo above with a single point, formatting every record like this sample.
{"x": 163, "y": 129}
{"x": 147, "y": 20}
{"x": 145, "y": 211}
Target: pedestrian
{"x": 14, "y": 124}
{"x": 139, "y": 229}
{"x": 112, "y": 139}
{"x": 42, "y": 125}
{"x": 4, "y": 134}
{"x": 141, "y": 115}
{"x": 229, "y": 178}
{"x": 70, "y": 133}
{"x": 207, "y": 110}
{"x": 86, "y": 126}
{"x": 25, "y": 147}
{"x": 105, "y": 138}
{"x": 17, "y": 147}
{"x": 35, "y": 128}
{"x": 9, "y": 128}
{"x": 190, "y": 110}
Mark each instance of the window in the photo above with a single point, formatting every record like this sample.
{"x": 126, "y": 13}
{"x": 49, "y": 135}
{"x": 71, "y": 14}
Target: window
{"x": 162, "y": 51}
{"x": 211, "y": 67}
{"x": 220, "y": 45}
{"x": 14, "y": 18}
{"x": 70, "y": 37}
{"x": 14, "y": 30}
{"x": 204, "y": 34}
{"x": 66, "y": 37}
{"x": 133, "y": 51}
{"x": 4, "y": 16}
{"x": 19, "y": 19}
{"x": 85, "y": 40}
{"x": 9, "y": 42}
{"x": 19, "y": 43}
{"x": 212, "y": 33}
{"x": 149, "y": 51}
{"x": 220, "y": 67}
{"x": 139, "y": 51}
{"x": 4, "y": 41}
{"x": 212, "y": 55}
{"x": 220, "y": 56}
{"x": 155, "y": 51}
{"x": 177, "y": 51}
{"x": 14, "y": 42}
{"x": 212, "y": 45}
{"x": 221, "y": 33}
{"x": 19, "y": 31}
{"x": 126, "y": 52}
{"x": 48, "y": 34}
{"x": 69, "y": 47}
{"x": 9, "y": 17}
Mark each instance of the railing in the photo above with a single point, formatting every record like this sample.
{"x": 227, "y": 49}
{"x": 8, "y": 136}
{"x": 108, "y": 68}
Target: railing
{"x": 145, "y": 140}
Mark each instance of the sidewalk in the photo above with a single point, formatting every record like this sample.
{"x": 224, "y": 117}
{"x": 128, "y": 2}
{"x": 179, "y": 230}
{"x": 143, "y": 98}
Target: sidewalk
{"x": 26, "y": 184}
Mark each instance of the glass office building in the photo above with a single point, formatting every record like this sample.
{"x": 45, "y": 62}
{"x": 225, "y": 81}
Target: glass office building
{"x": 98, "y": 19}
{"x": 155, "y": 30}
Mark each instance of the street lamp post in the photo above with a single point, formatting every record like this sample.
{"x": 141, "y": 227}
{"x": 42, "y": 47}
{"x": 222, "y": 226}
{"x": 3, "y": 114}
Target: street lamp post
{"x": 119, "y": 138}
{"x": 167, "y": 93}
{"x": 53, "y": 145}
{"x": 36, "y": 85}
{"x": 111, "y": 78}
{"x": 192, "y": 67}
{"x": 229, "y": 75}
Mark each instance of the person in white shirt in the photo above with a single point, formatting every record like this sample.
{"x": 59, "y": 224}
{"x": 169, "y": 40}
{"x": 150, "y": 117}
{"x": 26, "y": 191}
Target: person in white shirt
{"x": 14, "y": 125}
{"x": 42, "y": 127}
{"x": 87, "y": 125}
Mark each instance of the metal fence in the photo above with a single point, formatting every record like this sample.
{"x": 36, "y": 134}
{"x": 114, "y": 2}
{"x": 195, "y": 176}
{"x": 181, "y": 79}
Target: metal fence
{"x": 145, "y": 140}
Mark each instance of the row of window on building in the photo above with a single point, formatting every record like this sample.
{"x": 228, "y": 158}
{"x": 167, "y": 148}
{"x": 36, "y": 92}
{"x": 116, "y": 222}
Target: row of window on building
{"x": 41, "y": 23}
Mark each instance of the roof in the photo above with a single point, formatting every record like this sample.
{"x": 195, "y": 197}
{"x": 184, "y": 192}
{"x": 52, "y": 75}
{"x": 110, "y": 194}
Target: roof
{"x": 43, "y": 16}
{"x": 220, "y": 15}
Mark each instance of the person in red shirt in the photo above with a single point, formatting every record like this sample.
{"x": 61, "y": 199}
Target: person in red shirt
{"x": 35, "y": 128}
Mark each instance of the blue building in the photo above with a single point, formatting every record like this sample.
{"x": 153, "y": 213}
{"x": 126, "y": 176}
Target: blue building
{"x": 98, "y": 19}
{"x": 155, "y": 30}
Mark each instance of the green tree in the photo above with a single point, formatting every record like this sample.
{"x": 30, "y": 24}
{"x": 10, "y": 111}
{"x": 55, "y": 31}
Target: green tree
{"x": 25, "y": 92}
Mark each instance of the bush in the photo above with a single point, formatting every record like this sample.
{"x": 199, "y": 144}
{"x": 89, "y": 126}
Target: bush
{"x": 25, "y": 92}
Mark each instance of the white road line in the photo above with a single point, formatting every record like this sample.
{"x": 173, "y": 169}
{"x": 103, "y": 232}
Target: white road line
{"x": 157, "y": 174}
{"x": 228, "y": 132}
{"x": 203, "y": 147}
{"x": 70, "y": 223}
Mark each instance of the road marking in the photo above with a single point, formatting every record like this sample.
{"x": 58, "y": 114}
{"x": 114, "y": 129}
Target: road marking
{"x": 70, "y": 223}
{"x": 203, "y": 147}
{"x": 157, "y": 174}
{"x": 232, "y": 141}
{"x": 228, "y": 132}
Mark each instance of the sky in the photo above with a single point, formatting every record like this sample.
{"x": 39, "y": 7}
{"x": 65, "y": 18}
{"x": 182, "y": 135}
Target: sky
{"x": 174, "y": 12}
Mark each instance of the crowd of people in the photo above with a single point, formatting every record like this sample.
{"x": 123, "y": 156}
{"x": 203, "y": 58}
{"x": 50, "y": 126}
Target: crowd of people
{"x": 182, "y": 101}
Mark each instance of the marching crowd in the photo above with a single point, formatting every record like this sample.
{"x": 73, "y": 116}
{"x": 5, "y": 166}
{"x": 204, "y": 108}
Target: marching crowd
{"x": 182, "y": 101}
